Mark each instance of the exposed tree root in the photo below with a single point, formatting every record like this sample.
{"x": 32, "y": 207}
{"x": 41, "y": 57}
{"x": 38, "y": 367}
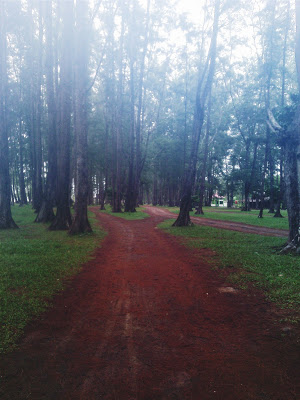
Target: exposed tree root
{"x": 292, "y": 247}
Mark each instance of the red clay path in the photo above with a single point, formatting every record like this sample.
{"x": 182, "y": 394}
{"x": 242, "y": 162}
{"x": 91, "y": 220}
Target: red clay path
{"x": 229, "y": 225}
{"x": 148, "y": 319}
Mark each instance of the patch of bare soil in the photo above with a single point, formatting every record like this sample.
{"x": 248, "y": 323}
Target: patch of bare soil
{"x": 146, "y": 319}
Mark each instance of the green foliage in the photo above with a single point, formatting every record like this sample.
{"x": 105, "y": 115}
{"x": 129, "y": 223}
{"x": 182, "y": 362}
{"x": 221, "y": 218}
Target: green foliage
{"x": 139, "y": 214}
{"x": 34, "y": 265}
{"x": 249, "y": 258}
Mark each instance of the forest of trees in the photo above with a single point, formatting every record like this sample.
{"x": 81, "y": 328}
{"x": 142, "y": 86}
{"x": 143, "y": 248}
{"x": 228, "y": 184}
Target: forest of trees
{"x": 131, "y": 101}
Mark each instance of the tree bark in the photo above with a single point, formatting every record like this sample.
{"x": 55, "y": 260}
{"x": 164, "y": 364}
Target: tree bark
{"x": 284, "y": 55}
{"x": 292, "y": 156}
{"x": 80, "y": 222}
{"x": 155, "y": 189}
{"x": 104, "y": 183}
{"x": 291, "y": 182}
{"x": 23, "y": 197}
{"x": 283, "y": 78}
{"x": 130, "y": 200}
{"x": 262, "y": 187}
{"x": 205, "y": 156}
{"x": 281, "y": 186}
{"x": 6, "y": 220}
{"x": 117, "y": 206}
{"x": 272, "y": 171}
{"x": 139, "y": 162}
{"x": 205, "y": 81}
{"x": 46, "y": 213}
{"x": 136, "y": 163}
{"x": 250, "y": 179}
{"x": 35, "y": 111}
{"x": 63, "y": 217}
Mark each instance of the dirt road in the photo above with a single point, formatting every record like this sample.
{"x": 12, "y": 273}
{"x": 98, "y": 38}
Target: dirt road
{"x": 148, "y": 320}
{"x": 229, "y": 225}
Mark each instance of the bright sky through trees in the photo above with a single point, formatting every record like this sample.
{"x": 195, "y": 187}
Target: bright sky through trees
{"x": 191, "y": 7}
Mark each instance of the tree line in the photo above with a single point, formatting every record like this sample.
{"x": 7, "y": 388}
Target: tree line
{"x": 131, "y": 101}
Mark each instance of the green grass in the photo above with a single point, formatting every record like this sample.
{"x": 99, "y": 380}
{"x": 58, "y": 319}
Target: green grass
{"x": 249, "y": 258}
{"x": 139, "y": 214}
{"x": 34, "y": 265}
{"x": 234, "y": 215}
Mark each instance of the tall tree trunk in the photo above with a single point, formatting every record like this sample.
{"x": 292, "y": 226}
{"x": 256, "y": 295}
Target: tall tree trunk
{"x": 268, "y": 151}
{"x": 63, "y": 217}
{"x": 210, "y": 180}
{"x": 117, "y": 207}
{"x": 104, "y": 183}
{"x": 205, "y": 156}
{"x": 39, "y": 157}
{"x": 291, "y": 183}
{"x": 130, "y": 200}
{"x": 80, "y": 222}
{"x": 92, "y": 184}
{"x": 15, "y": 198}
{"x": 250, "y": 179}
{"x": 35, "y": 94}
{"x": 185, "y": 134}
{"x": 23, "y": 197}
{"x": 284, "y": 52}
{"x": 102, "y": 192}
{"x": 139, "y": 162}
{"x": 281, "y": 186}
{"x": 136, "y": 162}
{"x": 118, "y": 143}
{"x": 6, "y": 220}
{"x": 270, "y": 60}
{"x": 32, "y": 131}
{"x": 46, "y": 213}
{"x": 272, "y": 190}
{"x": 292, "y": 156}
{"x": 155, "y": 189}
{"x": 205, "y": 81}
{"x": 263, "y": 176}
{"x": 281, "y": 195}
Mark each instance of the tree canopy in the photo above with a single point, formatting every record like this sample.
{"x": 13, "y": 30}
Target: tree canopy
{"x": 134, "y": 101}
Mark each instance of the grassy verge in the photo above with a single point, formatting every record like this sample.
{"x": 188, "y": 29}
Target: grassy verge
{"x": 139, "y": 214}
{"x": 34, "y": 265}
{"x": 249, "y": 218}
{"x": 249, "y": 258}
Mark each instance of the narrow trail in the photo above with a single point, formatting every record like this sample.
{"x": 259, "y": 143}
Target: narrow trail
{"x": 229, "y": 225}
{"x": 147, "y": 319}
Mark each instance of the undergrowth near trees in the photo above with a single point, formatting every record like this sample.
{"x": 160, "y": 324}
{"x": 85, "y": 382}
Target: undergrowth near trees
{"x": 35, "y": 263}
